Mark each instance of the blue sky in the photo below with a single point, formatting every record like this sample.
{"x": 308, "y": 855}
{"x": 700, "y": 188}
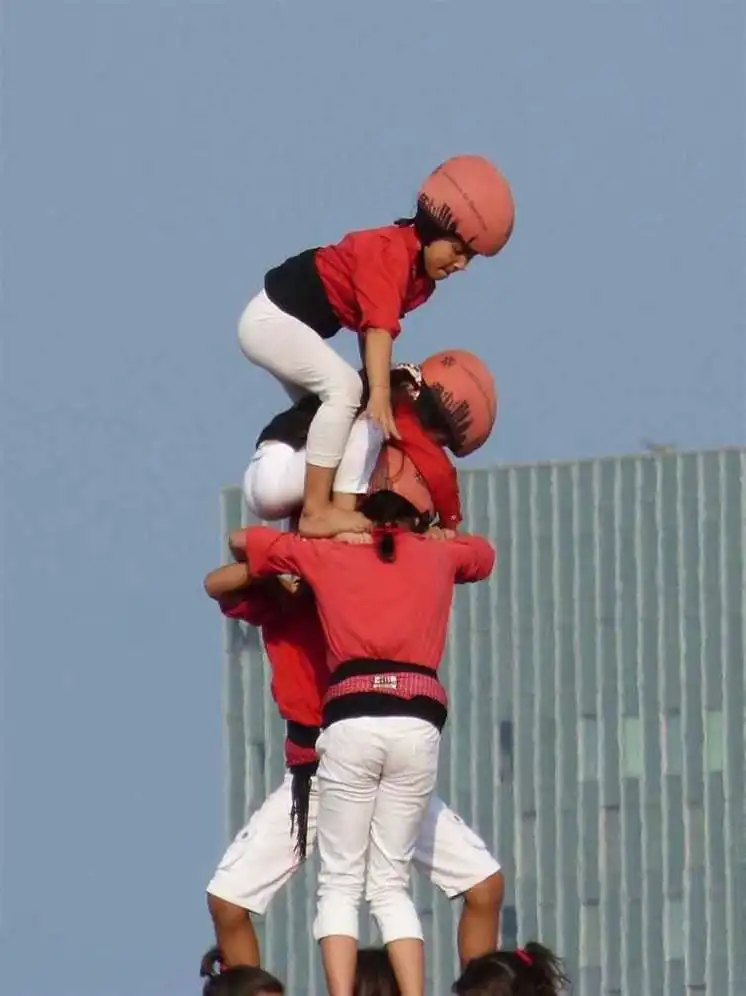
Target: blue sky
{"x": 158, "y": 157}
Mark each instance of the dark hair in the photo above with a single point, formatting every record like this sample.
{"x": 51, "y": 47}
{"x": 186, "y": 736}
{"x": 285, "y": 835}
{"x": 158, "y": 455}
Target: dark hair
{"x": 431, "y": 415}
{"x": 374, "y": 975}
{"x": 427, "y": 228}
{"x": 244, "y": 980}
{"x": 530, "y": 971}
{"x": 301, "y": 801}
{"x": 387, "y": 510}
{"x": 291, "y": 426}
{"x": 399, "y": 379}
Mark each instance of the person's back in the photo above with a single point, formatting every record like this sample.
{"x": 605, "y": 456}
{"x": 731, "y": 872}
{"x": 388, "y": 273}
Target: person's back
{"x": 372, "y": 608}
{"x": 384, "y": 604}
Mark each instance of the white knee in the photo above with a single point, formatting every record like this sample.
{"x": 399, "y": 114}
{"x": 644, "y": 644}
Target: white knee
{"x": 395, "y": 913}
{"x": 337, "y": 913}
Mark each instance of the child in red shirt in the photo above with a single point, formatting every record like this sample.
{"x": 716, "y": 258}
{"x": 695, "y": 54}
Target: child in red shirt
{"x": 367, "y": 283}
{"x": 384, "y": 606}
{"x": 436, "y": 405}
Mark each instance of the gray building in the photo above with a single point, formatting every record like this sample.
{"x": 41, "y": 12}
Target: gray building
{"x": 596, "y": 732}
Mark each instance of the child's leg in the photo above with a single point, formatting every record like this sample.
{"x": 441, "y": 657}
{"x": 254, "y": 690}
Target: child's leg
{"x": 296, "y": 355}
{"x": 457, "y": 860}
{"x": 257, "y": 864}
{"x": 408, "y": 781}
{"x": 350, "y": 759}
{"x": 274, "y": 480}
{"x": 358, "y": 463}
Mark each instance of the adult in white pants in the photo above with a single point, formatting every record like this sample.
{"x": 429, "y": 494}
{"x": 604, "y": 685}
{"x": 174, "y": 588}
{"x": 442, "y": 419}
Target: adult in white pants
{"x": 263, "y": 856}
{"x": 382, "y": 716}
{"x": 262, "y": 859}
{"x": 376, "y": 777}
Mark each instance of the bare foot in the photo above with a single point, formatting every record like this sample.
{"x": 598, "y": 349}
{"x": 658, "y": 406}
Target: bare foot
{"x": 332, "y": 521}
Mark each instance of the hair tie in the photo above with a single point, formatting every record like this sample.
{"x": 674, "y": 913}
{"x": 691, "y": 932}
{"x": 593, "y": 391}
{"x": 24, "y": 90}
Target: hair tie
{"x": 524, "y": 956}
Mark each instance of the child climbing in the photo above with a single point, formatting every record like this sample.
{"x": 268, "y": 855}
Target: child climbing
{"x": 449, "y": 400}
{"x": 367, "y": 282}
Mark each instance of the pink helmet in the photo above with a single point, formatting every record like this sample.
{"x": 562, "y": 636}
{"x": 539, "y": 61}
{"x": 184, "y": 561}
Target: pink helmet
{"x": 466, "y": 395}
{"x": 468, "y": 196}
{"x": 396, "y": 472}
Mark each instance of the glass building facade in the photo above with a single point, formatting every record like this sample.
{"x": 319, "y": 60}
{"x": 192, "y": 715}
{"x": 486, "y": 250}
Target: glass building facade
{"x": 596, "y": 730}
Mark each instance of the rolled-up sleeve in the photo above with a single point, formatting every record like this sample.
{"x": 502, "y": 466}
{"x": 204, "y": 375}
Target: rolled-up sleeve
{"x": 253, "y": 607}
{"x": 474, "y": 558}
{"x": 269, "y": 551}
{"x": 380, "y": 277}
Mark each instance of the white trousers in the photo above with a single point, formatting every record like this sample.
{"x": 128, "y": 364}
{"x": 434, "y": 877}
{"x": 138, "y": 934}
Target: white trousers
{"x": 304, "y": 363}
{"x": 376, "y": 776}
{"x": 261, "y": 858}
{"x": 274, "y": 480}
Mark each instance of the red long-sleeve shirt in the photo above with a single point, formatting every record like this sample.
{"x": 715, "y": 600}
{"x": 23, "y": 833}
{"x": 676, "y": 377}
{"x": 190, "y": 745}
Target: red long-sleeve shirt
{"x": 370, "y": 609}
{"x": 374, "y": 277}
{"x": 431, "y": 460}
{"x": 295, "y": 645}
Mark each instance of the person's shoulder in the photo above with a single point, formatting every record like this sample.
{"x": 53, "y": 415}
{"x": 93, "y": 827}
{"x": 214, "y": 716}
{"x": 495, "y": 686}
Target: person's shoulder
{"x": 389, "y": 239}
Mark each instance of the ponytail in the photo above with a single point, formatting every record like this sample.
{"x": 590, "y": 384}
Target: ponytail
{"x": 243, "y": 980}
{"x": 388, "y": 511}
{"x": 301, "y": 796}
{"x": 543, "y": 970}
{"x": 211, "y": 964}
{"x": 385, "y": 541}
{"x": 530, "y": 971}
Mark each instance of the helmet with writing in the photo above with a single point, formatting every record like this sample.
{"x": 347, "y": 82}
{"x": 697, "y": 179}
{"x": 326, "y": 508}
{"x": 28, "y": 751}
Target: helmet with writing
{"x": 395, "y": 472}
{"x": 470, "y": 198}
{"x": 464, "y": 391}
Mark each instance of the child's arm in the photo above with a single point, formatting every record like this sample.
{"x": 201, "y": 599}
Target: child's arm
{"x": 237, "y": 544}
{"x": 233, "y": 589}
{"x": 227, "y": 579}
{"x": 474, "y": 558}
{"x": 270, "y": 551}
{"x": 378, "y": 350}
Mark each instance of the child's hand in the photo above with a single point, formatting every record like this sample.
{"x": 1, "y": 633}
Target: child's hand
{"x": 354, "y": 538}
{"x": 379, "y": 411}
{"x": 438, "y": 533}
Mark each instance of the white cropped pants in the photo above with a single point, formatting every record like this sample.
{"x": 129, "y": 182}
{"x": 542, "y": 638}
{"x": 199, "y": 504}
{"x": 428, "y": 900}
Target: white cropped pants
{"x": 376, "y": 777}
{"x": 304, "y": 363}
{"x": 274, "y": 480}
{"x": 261, "y": 858}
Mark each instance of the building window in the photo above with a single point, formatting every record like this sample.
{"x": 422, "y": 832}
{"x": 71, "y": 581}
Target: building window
{"x": 505, "y": 734}
{"x": 632, "y": 747}
{"x": 509, "y": 926}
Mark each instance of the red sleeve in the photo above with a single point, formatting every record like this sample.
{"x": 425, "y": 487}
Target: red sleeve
{"x": 270, "y": 551}
{"x": 473, "y": 558}
{"x": 255, "y": 606}
{"x": 379, "y": 275}
{"x": 432, "y": 462}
